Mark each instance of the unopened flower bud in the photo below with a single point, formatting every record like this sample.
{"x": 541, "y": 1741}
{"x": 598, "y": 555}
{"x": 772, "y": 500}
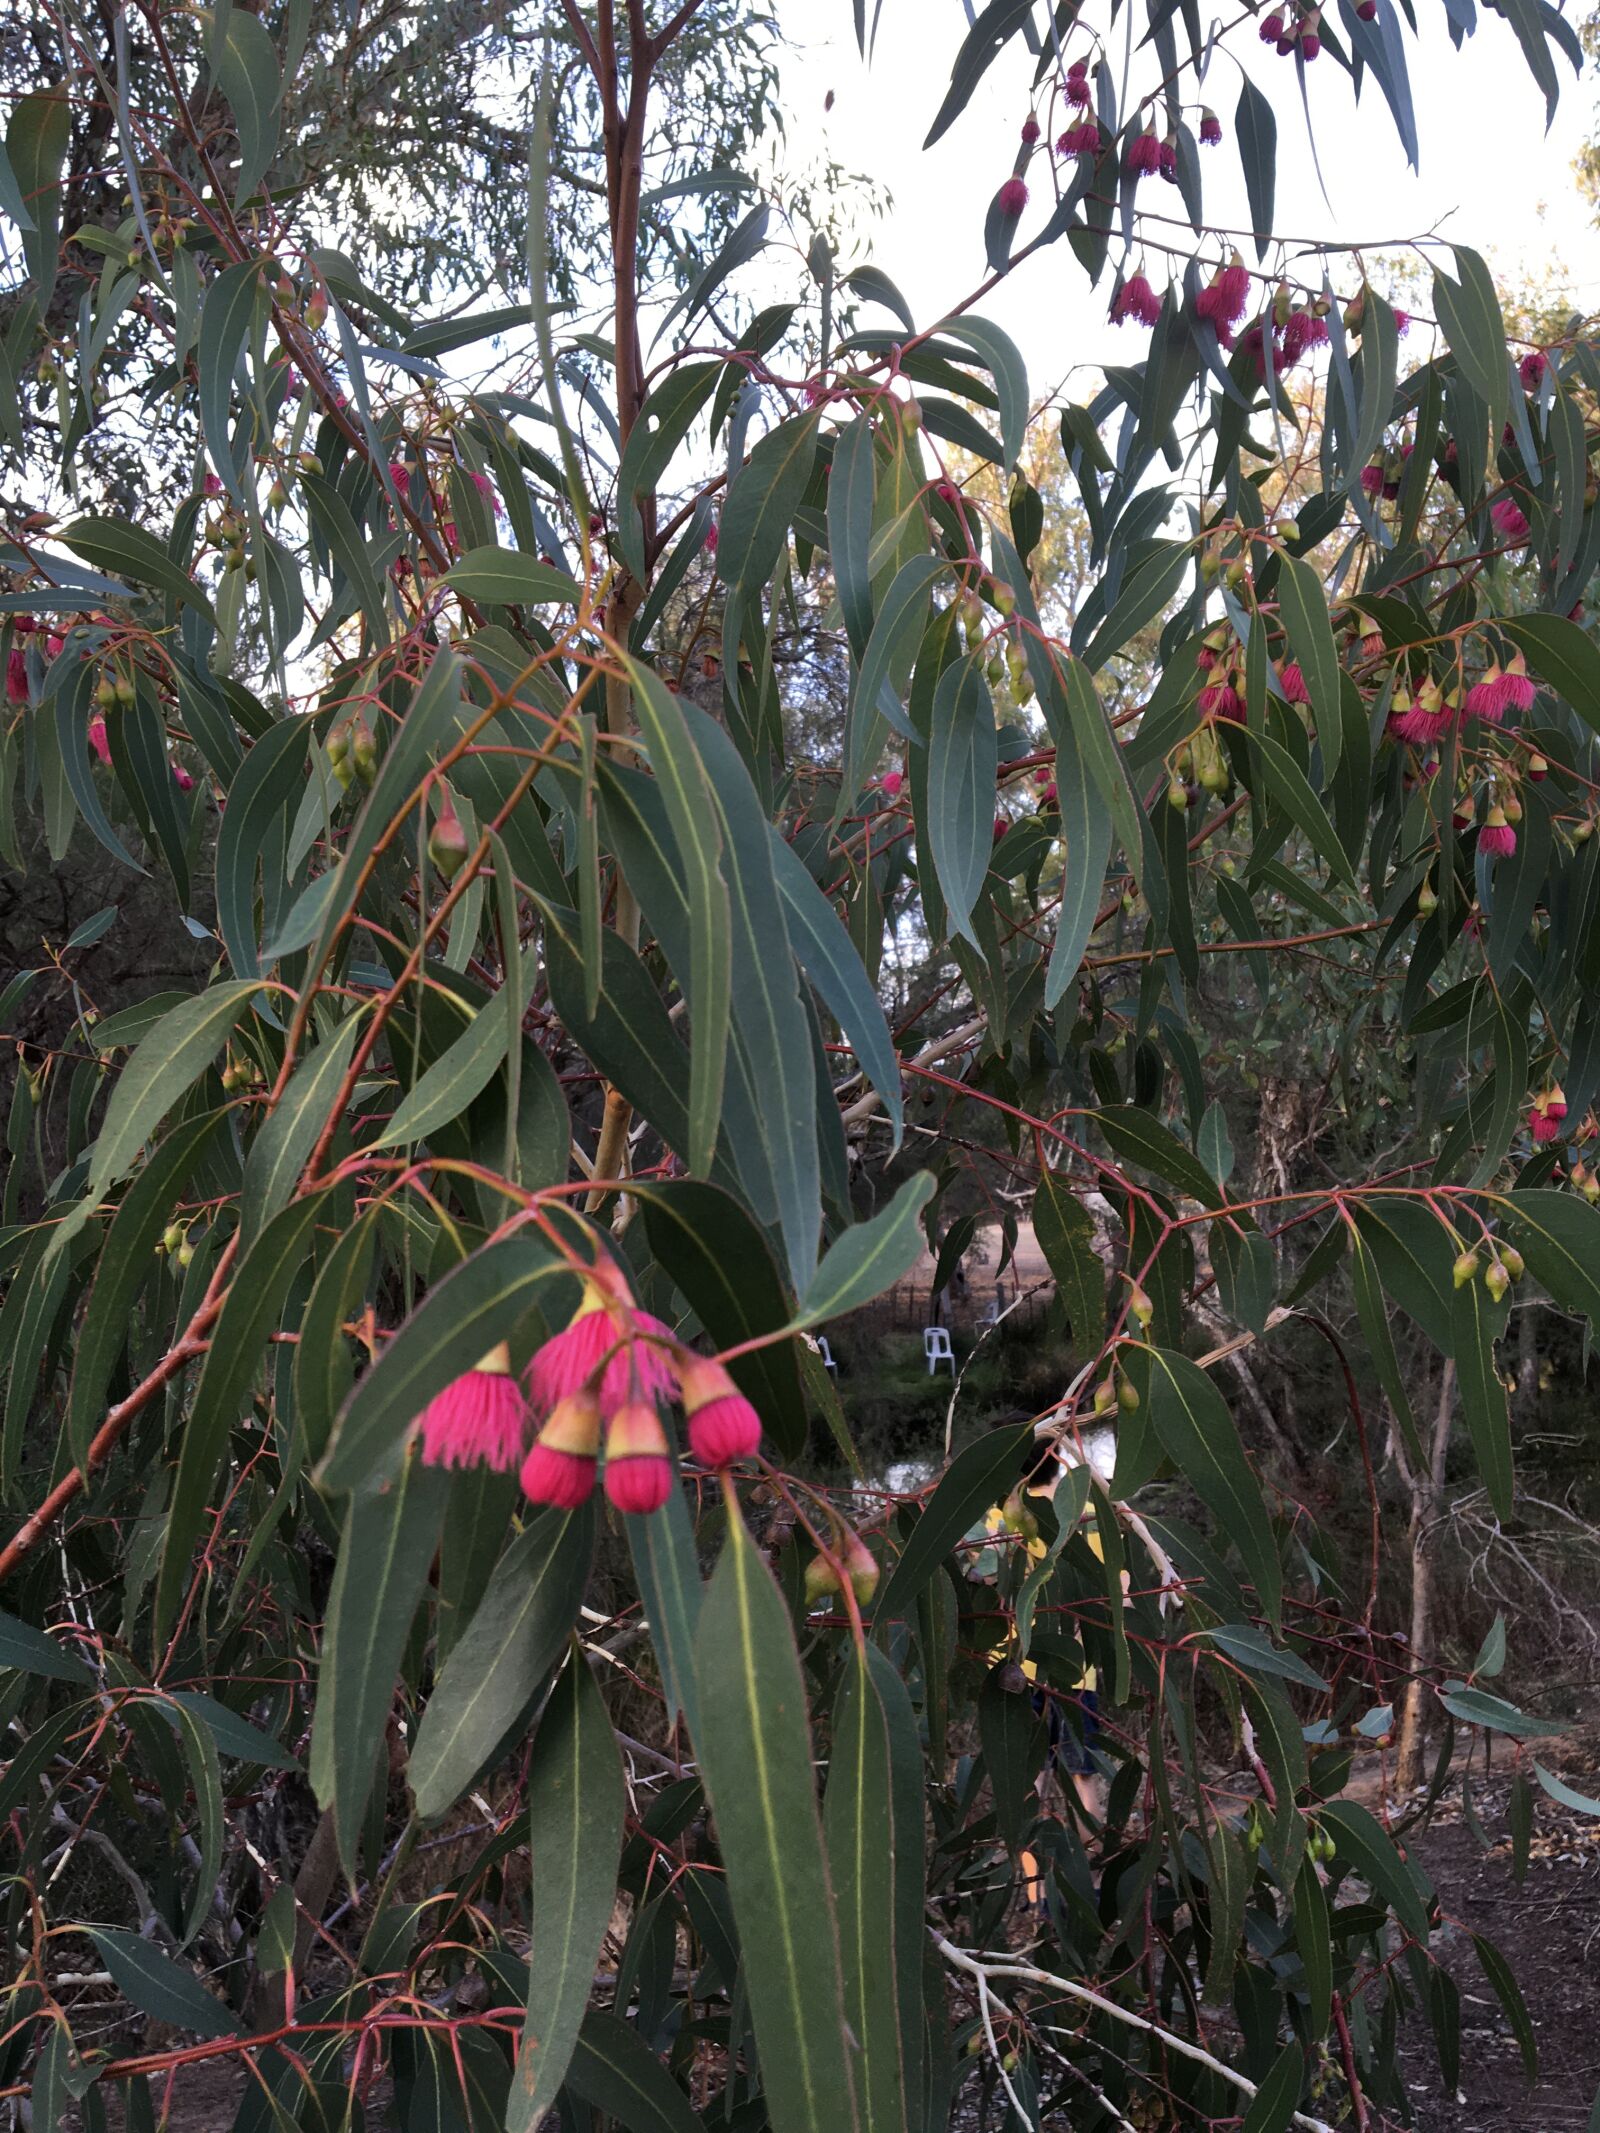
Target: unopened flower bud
{"x": 1465, "y": 1268}
{"x": 447, "y": 843}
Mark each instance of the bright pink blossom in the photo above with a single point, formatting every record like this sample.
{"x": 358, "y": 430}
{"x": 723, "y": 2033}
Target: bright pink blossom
{"x": 1077, "y": 90}
{"x": 567, "y": 1361}
{"x": 1508, "y": 517}
{"x": 1497, "y": 837}
{"x": 890, "y": 783}
{"x": 1303, "y": 331}
{"x": 1143, "y": 158}
{"x": 98, "y": 741}
{"x": 1220, "y": 699}
{"x": 1224, "y": 297}
{"x": 1082, "y": 138}
{"x": 480, "y": 1418}
{"x": 1013, "y": 197}
{"x": 1030, "y": 130}
{"x": 1210, "y": 129}
{"x": 642, "y": 1368}
{"x": 1531, "y": 370}
{"x": 1293, "y": 683}
{"x": 16, "y": 675}
{"x": 1136, "y": 300}
{"x": 1519, "y": 689}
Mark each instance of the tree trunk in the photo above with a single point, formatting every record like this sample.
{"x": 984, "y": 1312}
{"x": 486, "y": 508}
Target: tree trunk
{"x": 1427, "y": 1497}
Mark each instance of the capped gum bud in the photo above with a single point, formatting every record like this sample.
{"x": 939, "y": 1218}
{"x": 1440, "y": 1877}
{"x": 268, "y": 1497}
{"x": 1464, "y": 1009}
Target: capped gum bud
{"x": 447, "y": 843}
{"x": 1464, "y": 1269}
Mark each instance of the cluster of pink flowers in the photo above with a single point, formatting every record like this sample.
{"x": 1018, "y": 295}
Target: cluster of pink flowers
{"x": 1148, "y": 156}
{"x": 1082, "y": 138}
{"x": 1501, "y": 690}
{"x": 1545, "y": 1117}
{"x": 1287, "y": 30}
{"x": 604, "y": 1376}
{"x": 1077, "y": 90}
{"x": 1425, "y": 718}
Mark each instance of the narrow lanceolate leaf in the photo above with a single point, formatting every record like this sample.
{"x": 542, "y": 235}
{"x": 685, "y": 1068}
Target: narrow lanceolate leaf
{"x": 755, "y": 1753}
{"x": 246, "y": 68}
{"x": 179, "y": 1049}
{"x": 576, "y": 1801}
{"x": 265, "y": 787}
{"x": 1559, "y": 1236}
{"x": 1096, "y": 745}
{"x": 158, "y": 1986}
{"x": 110, "y": 544}
{"x": 1257, "y": 131}
{"x": 828, "y": 958}
{"x": 1399, "y": 1883}
{"x": 976, "y": 1478}
{"x": 1003, "y": 360}
{"x": 388, "y": 1546}
{"x": 281, "y": 1148}
{"x": 509, "y": 578}
{"x": 510, "y": 1645}
{"x": 857, "y": 1816}
{"x": 672, "y": 1593}
{"x": 658, "y": 429}
{"x": 692, "y": 811}
{"x": 222, "y": 1397}
{"x": 770, "y": 1024}
{"x": 963, "y": 754}
{"x": 1305, "y": 617}
{"x": 1194, "y": 1428}
{"x": 224, "y": 330}
{"x": 852, "y": 482}
{"x": 124, "y": 1267}
{"x": 476, "y": 1305}
{"x": 1507, "y": 1991}
{"x": 1475, "y": 1323}
{"x": 616, "y": 2072}
{"x": 30, "y": 1651}
{"x": 869, "y": 1257}
{"x": 205, "y": 1780}
{"x": 427, "y": 728}
{"x": 461, "y": 1072}
{"x": 762, "y": 501}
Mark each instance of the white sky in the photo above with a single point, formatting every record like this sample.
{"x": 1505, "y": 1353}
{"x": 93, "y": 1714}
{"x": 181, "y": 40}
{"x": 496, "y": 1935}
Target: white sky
{"x": 1489, "y": 175}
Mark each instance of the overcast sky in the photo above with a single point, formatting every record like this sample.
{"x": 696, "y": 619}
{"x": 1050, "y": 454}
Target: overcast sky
{"x": 1490, "y": 175}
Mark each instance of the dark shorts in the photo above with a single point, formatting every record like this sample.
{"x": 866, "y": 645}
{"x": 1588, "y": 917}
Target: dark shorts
{"x": 1072, "y": 1746}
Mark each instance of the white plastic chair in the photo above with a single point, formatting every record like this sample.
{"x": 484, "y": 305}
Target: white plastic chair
{"x": 936, "y": 1347}
{"x": 826, "y": 1355}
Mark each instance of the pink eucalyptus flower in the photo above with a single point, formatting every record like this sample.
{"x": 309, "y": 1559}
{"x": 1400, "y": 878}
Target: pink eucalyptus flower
{"x": 1497, "y": 837}
{"x": 16, "y": 675}
{"x": 723, "y": 1426}
{"x": 639, "y": 1465}
{"x": 1136, "y": 300}
{"x": 1517, "y": 685}
{"x": 1210, "y": 129}
{"x": 1012, "y": 197}
{"x": 1509, "y": 519}
{"x": 1082, "y": 138}
{"x": 1293, "y": 683}
{"x": 480, "y": 1418}
{"x": 560, "y": 1469}
{"x": 98, "y": 741}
